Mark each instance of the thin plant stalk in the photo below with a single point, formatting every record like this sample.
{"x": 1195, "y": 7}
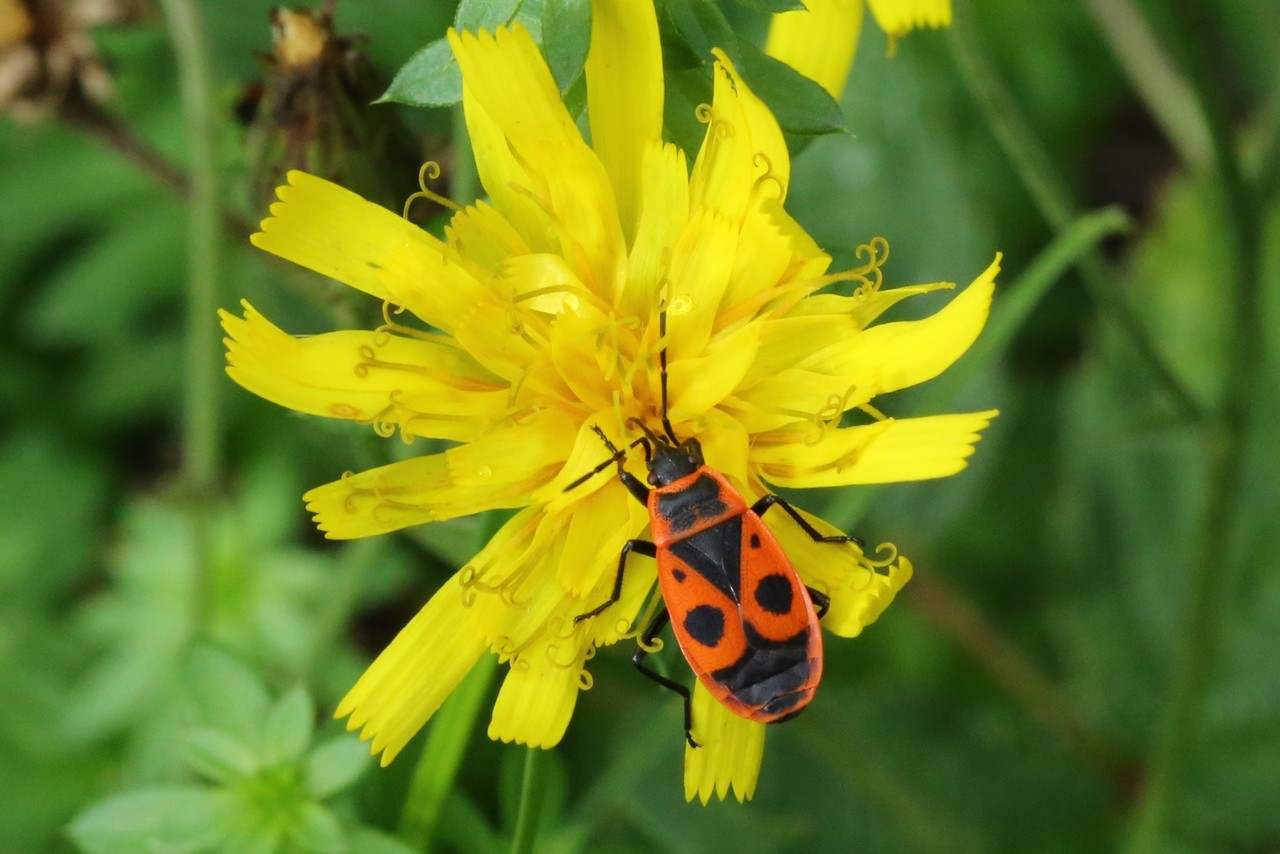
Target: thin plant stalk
{"x": 442, "y": 755}
{"x": 1225, "y": 443}
{"x": 201, "y": 429}
{"x": 530, "y": 809}
{"x": 1030, "y": 160}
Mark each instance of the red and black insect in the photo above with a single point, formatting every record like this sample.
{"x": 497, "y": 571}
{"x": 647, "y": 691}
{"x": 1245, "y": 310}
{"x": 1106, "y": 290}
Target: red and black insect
{"x": 745, "y": 622}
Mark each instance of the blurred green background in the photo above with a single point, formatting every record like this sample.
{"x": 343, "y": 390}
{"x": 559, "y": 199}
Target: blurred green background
{"x": 1087, "y": 658}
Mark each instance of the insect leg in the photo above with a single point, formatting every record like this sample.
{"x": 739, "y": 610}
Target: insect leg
{"x": 658, "y": 624}
{"x": 821, "y": 602}
{"x": 818, "y": 537}
{"x": 638, "y": 489}
{"x": 643, "y": 547}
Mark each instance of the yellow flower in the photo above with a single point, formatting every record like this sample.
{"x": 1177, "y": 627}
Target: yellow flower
{"x": 820, "y": 42}
{"x": 540, "y": 318}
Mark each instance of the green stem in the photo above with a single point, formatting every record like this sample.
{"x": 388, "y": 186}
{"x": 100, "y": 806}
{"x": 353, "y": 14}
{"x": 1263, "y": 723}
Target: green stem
{"x": 1011, "y": 309}
{"x": 86, "y": 115}
{"x": 201, "y": 426}
{"x": 530, "y": 809}
{"x": 450, "y": 732}
{"x": 1049, "y": 192}
{"x": 1178, "y": 730}
{"x": 1166, "y": 92}
{"x": 442, "y": 755}
{"x": 1015, "y": 303}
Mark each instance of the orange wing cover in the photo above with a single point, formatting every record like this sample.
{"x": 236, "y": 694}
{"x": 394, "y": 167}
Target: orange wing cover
{"x": 741, "y": 615}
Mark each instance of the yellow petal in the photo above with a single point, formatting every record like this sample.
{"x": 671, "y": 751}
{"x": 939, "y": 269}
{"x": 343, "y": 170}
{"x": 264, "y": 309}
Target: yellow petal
{"x": 583, "y": 355}
{"x": 506, "y": 78}
{"x": 518, "y": 567}
{"x": 698, "y": 385}
{"x": 866, "y": 305}
{"x": 425, "y": 386}
{"x": 334, "y": 232}
{"x": 899, "y": 17}
{"x": 769, "y": 154}
{"x": 729, "y": 754}
{"x": 889, "y": 451}
{"x": 794, "y": 399}
{"x": 498, "y": 470}
{"x": 421, "y": 666}
{"x": 777, "y": 264}
{"x": 664, "y": 212}
{"x": 820, "y": 42}
{"x": 498, "y": 337}
{"x": 513, "y": 189}
{"x": 855, "y": 608}
{"x": 897, "y": 355}
{"x": 599, "y": 527}
{"x": 624, "y": 97}
{"x": 510, "y": 80}
{"x": 540, "y": 690}
{"x": 699, "y": 271}
{"x": 724, "y": 172}
{"x": 484, "y": 239}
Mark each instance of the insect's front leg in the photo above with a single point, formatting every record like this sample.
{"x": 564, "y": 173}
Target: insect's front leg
{"x": 643, "y": 547}
{"x": 817, "y": 536}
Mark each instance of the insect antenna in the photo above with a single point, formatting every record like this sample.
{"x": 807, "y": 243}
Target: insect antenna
{"x": 615, "y": 456}
{"x": 662, "y": 364}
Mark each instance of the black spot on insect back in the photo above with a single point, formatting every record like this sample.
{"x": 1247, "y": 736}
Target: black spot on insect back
{"x": 773, "y": 593}
{"x": 755, "y": 541}
{"x": 705, "y": 624}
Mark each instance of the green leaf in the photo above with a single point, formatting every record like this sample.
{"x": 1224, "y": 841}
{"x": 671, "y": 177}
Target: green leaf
{"x": 702, "y": 26}
{"x": 685, "y": 91}
{"x": 173, "y": 819}
{"x": 130, "y": 377}
{"x": 366, "y": 840}
{"x": 431, "y": 78}
{"x": 288, "y": 728}
{"x": 800, "y": 105}
{"x": 466, "y": 826}
{"x": 84, "y": 297}
{"x": 771, "y": 5}
{"x": 220, "y": 757}
{"x": 224, "y": 693}
{"x": 318, "y": 830}
{"x": 335, "y": 764}
{"x": 153, "y": 572}
{"x": 63, "y": 489}
{"x": 485, "y": 14}
{"x": 566, "y": 37}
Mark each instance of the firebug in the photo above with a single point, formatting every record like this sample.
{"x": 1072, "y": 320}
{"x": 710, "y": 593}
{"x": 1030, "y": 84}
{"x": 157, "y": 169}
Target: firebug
{"x": 745, "y": 622}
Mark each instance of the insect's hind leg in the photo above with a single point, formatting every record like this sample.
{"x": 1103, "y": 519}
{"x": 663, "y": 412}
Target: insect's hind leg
{"x": 659, "y": 623}
{"x": 821, "y": 602}
{"x": 817, "y": 536}
{"x": 643, "y": 547}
